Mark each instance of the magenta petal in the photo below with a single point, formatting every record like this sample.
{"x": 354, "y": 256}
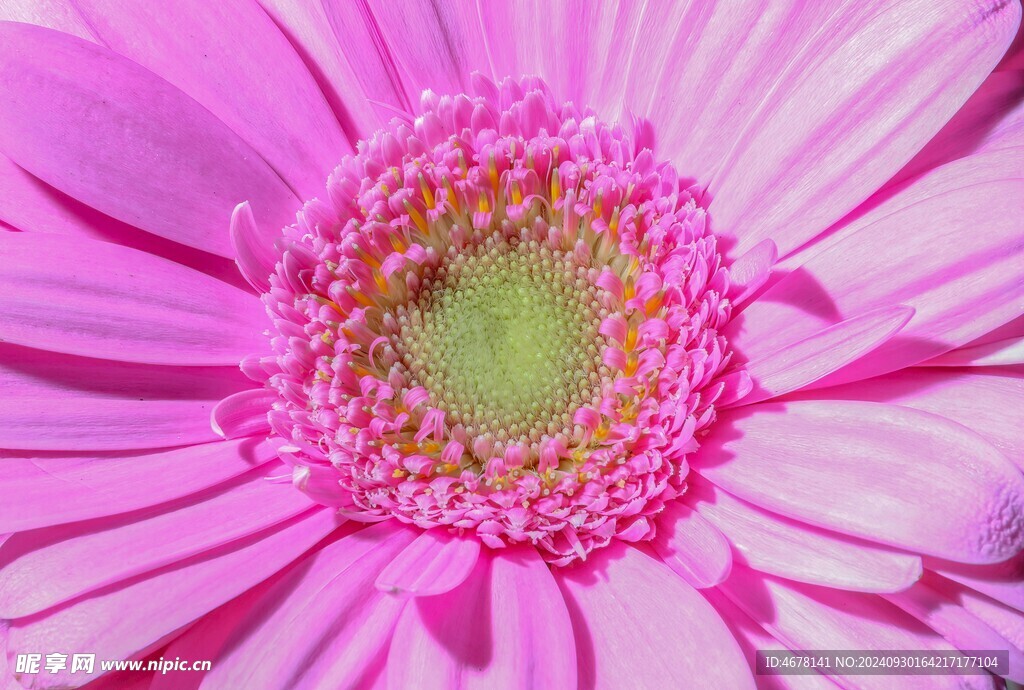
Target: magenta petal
{"x": 281, "y": 114}
{"x": 856, "y": 467}
{"x": 692, "y": 546}
{"x": 617, "y": 598}
{"x": 806, "y": 617}
{"x": 800, "y": 364}
{"x": 437, "y": 562}
{"x": 505, "y": 627}
{"x": 323, "y": 625}
{"x": 82, "y": 557}
{"x": 243, "y": 414}
{"x": 40, "y": 491}
{"x": 994, "y": 354}
{"x": 255, "y": 256}
{"x": 779, "y": 546}
{"x": 110, "y": 133}
{"x": 750, "y": 271}
{"x": 164, "y": 602}
{"x": 55, "y": 14}
{"x": 851, "y": 108}
{"x": 112, "y": 302}
{"x": 1003, "y": 582}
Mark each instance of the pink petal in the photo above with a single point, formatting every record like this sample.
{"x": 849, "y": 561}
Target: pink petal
{"x": 692, "y": 546}
{"x": 121, "y": 622}
{"x": 75, "y": 423}
{"x": 42, "y": 568}
{"x": 292, "y": 128}
{"x": 322, "y": 625}
{"x": 55, "y": 14}
{"x": 779, "y": 546}
{"x": 934, "y": 603}
{"x": 51, "y": 490}
{"x": 244, "y": 414}
{"x": 256, "y": 258}
{"x": 505, "y": 627}
{"x": 917, "y": 255}
{"x": 804, "y": 159}
{"x": 307, "y": 27}
{"x": 749, "y": 272}
{"x": 800, "y": 364}
{"x": 856, "y": 468}
{"x": 979, "y": 401}
{"x": 806, "y": 617}
{"x": 618, "y": 597}
{"x": 995, "y": 354}
{"x": 29, "y": 204}
{"x": 110, "y": 133}
{"x": 1003, "y": 582}
{"x": 117, "y": 303}
{"x": 437, "y": 562}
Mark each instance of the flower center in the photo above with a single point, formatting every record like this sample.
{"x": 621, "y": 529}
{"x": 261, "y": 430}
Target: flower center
{"x": 503, "y": 319}
{"x": 506, "y": 341}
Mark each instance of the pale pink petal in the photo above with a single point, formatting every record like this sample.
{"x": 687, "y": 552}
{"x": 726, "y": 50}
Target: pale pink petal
{"x": 506, "y": 627}
{"x": 856, "y": 467}
{"x": 112, "y": 134}
{"x": 244, "y": 414}
{"x": 749, "y": 272}
{"x": 987, "y": 402}
{"x": 42, "y": 568}
{"x": 934, "y": 602}
{"x": 800, "y": 364}
{"x": 255, "y": 256}
{"x": 437, "y": 562}
{"x": 44, "y": 490}
{"x": 74, "y": 423}
{"x": 856, "y": 102}
{"x": 101, "y": 300}
{"x": 29, "y": 204}
{"x": 1006, "y": 621}
{"x": 692, "y": 546}
{"x": 617, "y": 598}
{"x": 777, "y": 545}
{"x": 55, "y": 14}
{"x": 322, "y": 625}
{"x": 164, "y": 602}
{"x": 281, "y": 113}
{"x": 433, "y": 45}
{"x": 1003, "y": 582}
{"x": 995, "y": 354}
{"x": 307, "y": 26}
{"x": 753, "y": 638}
{"x": 807, "y": 617}
{"x": 918, "y": 255}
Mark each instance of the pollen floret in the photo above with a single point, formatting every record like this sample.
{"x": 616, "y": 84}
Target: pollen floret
{"x": 503, "y": 319}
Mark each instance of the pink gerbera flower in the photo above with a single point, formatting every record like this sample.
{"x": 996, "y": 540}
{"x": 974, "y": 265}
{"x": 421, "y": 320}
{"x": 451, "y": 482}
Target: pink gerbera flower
{"x": 706, "y": 339}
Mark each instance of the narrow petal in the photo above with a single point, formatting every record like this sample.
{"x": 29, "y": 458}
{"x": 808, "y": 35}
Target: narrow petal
{"x": 324, "y": 624}
{"x": 749, "y": 272}
{"x": 917, "y": 256}
{"x": 1003, "y": 582}
{"x": 987, "y": 402}
{"x": 856, "y": 467}
{"x": 294, "y": 130}
{"x": 803, "y": 160}
{"x": 55, "y": 14}
{"x": 800, "y": 364}
{"x": 255, "y": 256}
{"x": 929, "y": 602}
{"x": 506, "y": 627}
{"x": 995, "y": 354}
{"x": 110, "y": 133}
{"x": 618, "y": 597}
{"x": 42, "y": 568}
{"x": 40, "y": 491}
{"x": 163, "y": 602}
{"x": 437, "y": 562}
{"x": 779, "y": 546}
{"x": 244, "y": 414}
{"x": 806, "y": 617}
{"x": 692, "y": 546}
{"x": 100, "y": 300}
{"x": 81, "y": 424}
